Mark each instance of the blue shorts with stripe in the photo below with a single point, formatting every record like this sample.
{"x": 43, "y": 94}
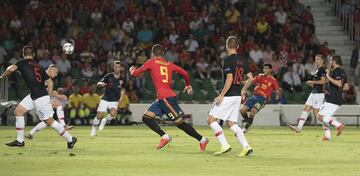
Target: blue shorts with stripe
{"x": 167, "y": 106}
{"x": 255, "y": 101}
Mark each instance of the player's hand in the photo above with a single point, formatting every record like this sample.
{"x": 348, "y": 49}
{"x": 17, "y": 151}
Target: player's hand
{"x": 219, "y": 99}
{"x": 132, "y": 69}
{"x": 188, "y": 90}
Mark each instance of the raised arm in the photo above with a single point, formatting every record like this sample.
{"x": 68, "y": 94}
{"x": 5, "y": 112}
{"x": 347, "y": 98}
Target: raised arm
{"x": 247, "y": 84}
{"x": 8, "y": 71}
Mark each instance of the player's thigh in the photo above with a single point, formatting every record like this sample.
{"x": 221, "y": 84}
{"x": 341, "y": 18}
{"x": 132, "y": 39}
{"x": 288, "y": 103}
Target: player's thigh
{"x": 249, "y": 103}
{"x": 224, "y": 109}
{"x": 171, "y": 108}
{"x": 113, "y": 107}
{"x": 154, "y": 110}
{"x": 328, "y": 109}
{"x": 258, "y": 105}
{"x": 43, "y": 108}
{"x": 234, "y": 114}
{"x": 25, "y": 105}
{"x": 103, "y": 106}
{"x": 309, "y": 102}
{"x": 318, "y": 100}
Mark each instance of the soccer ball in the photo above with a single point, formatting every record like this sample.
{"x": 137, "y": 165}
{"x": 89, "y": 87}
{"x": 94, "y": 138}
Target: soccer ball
{"x": 68, "y": 48}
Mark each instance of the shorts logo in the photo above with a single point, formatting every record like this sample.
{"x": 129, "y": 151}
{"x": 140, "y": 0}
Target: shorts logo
{"x": 41, "y": 113}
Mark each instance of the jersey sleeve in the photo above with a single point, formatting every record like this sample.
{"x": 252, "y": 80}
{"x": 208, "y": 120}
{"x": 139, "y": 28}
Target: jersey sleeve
{"x": 45, "y": 76}
{"x": 123, "y": 86}
{"x": 105, "y": 79}
{"x": 229, "y": 67}
{"x": 183, "y": 73}
{"x": 147, "y": 65}
{"x": 322, "y": 72}
{"x": 275, "y": 84}
{"x": 256, "y": 79}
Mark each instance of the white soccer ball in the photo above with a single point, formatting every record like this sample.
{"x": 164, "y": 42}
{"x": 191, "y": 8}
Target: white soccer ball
{"x": 68, "y": 48}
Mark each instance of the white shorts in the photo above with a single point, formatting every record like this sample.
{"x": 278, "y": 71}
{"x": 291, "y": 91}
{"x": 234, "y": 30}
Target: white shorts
{"x": 328, "y": 109}
{"x": 42, "y": 106}
{"x": 315, "y": 100}
{"x": 228, "y": 109}
{"x": 105, "y": 105}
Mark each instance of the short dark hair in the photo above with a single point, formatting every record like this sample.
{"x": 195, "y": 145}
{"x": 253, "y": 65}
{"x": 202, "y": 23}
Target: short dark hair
{"x": 118, "y": 62}
{"x": 157, "y": 50}
{"x": 232, "y": 42}
{"x": 337, "y": 59}
{"x": 28, "y": 51}
{"x": 268, "y": 65}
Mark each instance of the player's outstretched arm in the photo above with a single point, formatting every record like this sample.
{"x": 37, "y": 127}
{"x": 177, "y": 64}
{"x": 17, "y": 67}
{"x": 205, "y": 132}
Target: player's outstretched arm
{"x": 8, "y": 71}
{"x": 50, "y": 85}
{"x": 247, "y": 84}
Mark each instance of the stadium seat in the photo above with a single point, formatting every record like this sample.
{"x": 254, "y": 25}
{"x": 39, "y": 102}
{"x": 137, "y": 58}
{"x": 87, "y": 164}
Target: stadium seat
{"x": 207, "y": 85}
{"x": 179, "y": 85}
{"x": 199, "y": 96}
{"x": 219, "y": 85}
{"x": 210, "y": 96}
{"x": 185, "y": 97}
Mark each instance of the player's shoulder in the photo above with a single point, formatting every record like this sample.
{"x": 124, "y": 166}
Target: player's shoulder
{"x": 21, "y": 61}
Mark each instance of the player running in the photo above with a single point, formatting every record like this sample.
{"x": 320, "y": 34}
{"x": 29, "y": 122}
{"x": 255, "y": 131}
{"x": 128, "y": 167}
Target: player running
{"x": 227, "y": 104}
{"x": 333, "y": 99}
{"x": 166, "y": 103}
{"x": 35, "y": 78}
{"x": 115, "y": 86}
{"x": 58, "y": 102}
{"x": 265, "y": 85}
{"x": 317, "y": 95}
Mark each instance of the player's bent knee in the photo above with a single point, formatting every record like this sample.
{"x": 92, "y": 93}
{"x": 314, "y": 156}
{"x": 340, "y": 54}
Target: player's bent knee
{"x": 230, "y": 124}
{"x": 49, "y": 121}
{"x": 146, "y": 117}
{"x": 20, "y": 110}
{"x": 211, "y": 119}
{"x": 243, "y": 111}
{"x": 253, "y": 111}
{"x": 179, "y": 121}
{"x": 320, "y": 117}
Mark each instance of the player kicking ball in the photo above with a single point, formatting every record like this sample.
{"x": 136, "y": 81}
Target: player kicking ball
{"x": 317, "y": 95}
{"x": 166, "y": 103}
{"x": 35, "y": 78}
{"x": 333, "y": 100}
{"x": 58, "y": 102}
{"x": 115, "y": 86}
{"x": 265, "y": 85}
{"x": 227, "y": 105}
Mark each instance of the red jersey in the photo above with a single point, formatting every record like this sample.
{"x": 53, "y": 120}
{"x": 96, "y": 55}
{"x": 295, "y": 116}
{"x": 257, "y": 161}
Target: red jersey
{"x": 161, "y": 74}
{"x": 265, "y": 85}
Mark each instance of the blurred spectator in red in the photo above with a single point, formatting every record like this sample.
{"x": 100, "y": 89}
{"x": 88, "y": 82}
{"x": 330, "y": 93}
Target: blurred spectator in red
{"x": 85, "y": 87}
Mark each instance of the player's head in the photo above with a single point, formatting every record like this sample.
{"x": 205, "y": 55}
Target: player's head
{"x": 232, "y": 43}
{"x": 28, "y": 52}
{"x": 52, "y": 71}
{"x": 320, "y": 60}
{"x": 117, "y": 67}
{"x": 335, "y": 61}
{"x": 60, "y": 91}
{"x": 157, "y": 50}
{"x": 267, "y": 69}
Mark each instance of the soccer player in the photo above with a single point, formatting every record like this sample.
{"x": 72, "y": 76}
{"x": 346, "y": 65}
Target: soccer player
{"x": 166, "y": 103}
{"x": 115, "y": 86}
{"x": 227, "y": 103}
{"x": 317, "y": 95}
{"x": 58, "y": 102}
{"x": 35, "y": 78}
{"x": 265, "y": 85}
{"x": 333, "y": 100}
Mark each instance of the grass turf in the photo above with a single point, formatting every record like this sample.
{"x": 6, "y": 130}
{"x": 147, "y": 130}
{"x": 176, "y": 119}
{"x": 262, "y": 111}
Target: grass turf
{"x": 131, "y": 151}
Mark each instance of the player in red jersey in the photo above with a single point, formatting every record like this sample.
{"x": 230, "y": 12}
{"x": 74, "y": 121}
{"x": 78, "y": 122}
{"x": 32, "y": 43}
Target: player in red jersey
{"x": 265, "y": 85}
{"x": 166, "y": 103}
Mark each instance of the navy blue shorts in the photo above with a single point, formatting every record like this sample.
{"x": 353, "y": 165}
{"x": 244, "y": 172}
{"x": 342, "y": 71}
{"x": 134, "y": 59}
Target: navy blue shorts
{"x": 255, "y": 101}
{"x": 167, "y": 106}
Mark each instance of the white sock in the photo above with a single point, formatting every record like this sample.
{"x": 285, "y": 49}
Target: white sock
{"x": 331, "y": 121}
{"x": 61, "y": 115}
{"x": 61, "y": 130}
{"x": 240, "y": 135}
{"x": 166, "y": 136}
{"x": 219, "y": 133}
{"x": 109, "y": 117}
{"x": 203, "y": 139}
{"x": 96, "y": 122}
{"x": 37, "y": 128}
{"x": 303, "y": 117}
{"x": 326, "y": 129}
{"x": 103, "y": 121}
{"x": 20, "y": 125}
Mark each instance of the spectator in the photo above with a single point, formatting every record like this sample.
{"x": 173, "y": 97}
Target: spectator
{"x": 349, "y": 93}
{"x": 308, "y": 19}
{"x": 85, "y": 87}
{"x": 232, "y": 15}
{"x": 171, "y": 55}
{"x": 310, "y": 68}
{"x": 276, "y": 65}
{"x": 15, "y": 59}
{"x": 91, "y": 101}
{"x": 354, "y": 64}
{"x": 63, "y": 65}
{"x": 96, "y": 16}
{"x": 141, "y": 58}
{"x": 268, "y": 54}
{"x": 256, "y": 55}
{"x": 45, "y": 61}
{"x": 173, "y": 36}
{"x": 3, "y": 54}
{"x": 128, "y": 25}
{"x": 87, "y": 70}
{"x": 145, "y": 37}
{"x": 15, "y": 23}
{"x": 280, "y": 15}
{"x": 132, "y": 91}
{"x": 191, "y": 44}
{"x": 76, "y": 104}
{"x": 291, "y": 80}
{"x": 202, "y": 69}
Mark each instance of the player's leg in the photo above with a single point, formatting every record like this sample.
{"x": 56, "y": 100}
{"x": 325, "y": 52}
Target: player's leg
{"x": 22, "y": 108}
{"x": 220, "y": 111}
{"x": 112, "y": 115}
{"x": 234, "y": 127}
{"x": 304, "y": 114}
{"x": 250, "y": 120}
{"x": 97, "y": 119}
{"x": 40, "y": 126}
{"x": 148, "y": 119}
{"x": 61, "y": 115}
{"x": 326, "y": 128}
{"x": 173, "y": 111}
{"x": 328, "y": 111}
{"x": 45, "y": 112}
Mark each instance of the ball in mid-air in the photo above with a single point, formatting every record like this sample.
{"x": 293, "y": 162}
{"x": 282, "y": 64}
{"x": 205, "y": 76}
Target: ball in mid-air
{"x": 68, "y": 48}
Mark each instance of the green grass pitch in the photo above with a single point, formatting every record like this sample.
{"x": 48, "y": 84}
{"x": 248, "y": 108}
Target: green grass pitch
{"x": 130, "y": 151}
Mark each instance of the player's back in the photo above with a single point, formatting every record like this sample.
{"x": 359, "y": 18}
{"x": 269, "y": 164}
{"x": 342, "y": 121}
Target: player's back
{"x": 238, "y": 68}
{"x": 34, "y": 77}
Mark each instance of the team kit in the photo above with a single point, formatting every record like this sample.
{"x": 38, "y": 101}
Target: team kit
{"x": 325, "y": 97}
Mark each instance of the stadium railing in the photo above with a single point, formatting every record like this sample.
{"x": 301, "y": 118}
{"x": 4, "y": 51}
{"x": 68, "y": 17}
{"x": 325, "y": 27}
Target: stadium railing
{"x": 4, "y": 91}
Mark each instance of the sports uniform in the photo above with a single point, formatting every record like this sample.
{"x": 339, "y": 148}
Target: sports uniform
{"x": 317, "y": 96}
{"x": 113, "y": 89}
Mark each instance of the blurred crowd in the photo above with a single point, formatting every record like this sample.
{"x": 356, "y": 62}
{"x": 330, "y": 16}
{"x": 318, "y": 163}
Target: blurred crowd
{"x": 280, "y": 32}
